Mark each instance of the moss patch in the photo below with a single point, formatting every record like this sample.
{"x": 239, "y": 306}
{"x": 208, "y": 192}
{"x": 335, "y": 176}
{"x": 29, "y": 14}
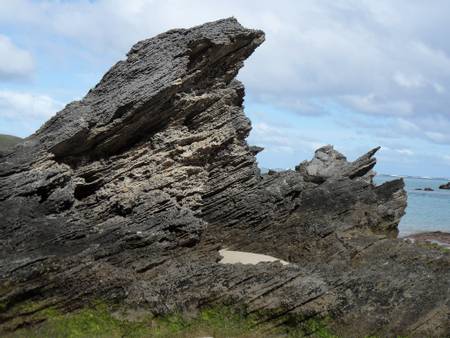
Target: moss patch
{"x": 8, "y": 141}
{"x": 218, "y": 322}
{"x": 433, "y": 246}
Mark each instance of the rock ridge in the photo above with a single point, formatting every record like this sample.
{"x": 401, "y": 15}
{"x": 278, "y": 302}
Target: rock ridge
{"x": 128, "y": 194}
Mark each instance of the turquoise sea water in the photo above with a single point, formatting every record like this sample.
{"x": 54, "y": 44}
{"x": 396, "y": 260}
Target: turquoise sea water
{"x": 427, "y": 210}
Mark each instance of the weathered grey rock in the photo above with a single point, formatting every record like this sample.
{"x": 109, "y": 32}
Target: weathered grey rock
{"x": 329, "y": 163}
{"x": 128, "y": 194}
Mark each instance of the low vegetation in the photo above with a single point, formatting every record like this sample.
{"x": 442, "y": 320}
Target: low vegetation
{"x": 8, "y": 141}
{"x": 220, "y": 322}
{"x": 433, "y": 246}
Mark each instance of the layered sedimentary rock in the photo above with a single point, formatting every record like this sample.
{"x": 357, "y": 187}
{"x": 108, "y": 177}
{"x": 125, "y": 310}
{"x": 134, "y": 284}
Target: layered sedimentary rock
{"x": 128, "y": 194}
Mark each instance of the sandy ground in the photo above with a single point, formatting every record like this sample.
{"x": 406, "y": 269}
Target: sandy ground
{"x": 233, "y": 257}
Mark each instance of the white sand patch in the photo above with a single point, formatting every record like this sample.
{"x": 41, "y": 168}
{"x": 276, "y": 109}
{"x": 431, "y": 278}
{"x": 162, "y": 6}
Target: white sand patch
{"x": 233, "y": 257}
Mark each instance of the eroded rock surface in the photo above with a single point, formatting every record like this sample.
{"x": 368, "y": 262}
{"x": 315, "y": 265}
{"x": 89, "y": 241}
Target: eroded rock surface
{"x": 128, "y": 195}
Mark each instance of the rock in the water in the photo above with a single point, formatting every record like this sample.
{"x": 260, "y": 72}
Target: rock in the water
{"x": 445, "y": 186}
{"x": 424, "y": 189}
{"x": 128, "y": 195}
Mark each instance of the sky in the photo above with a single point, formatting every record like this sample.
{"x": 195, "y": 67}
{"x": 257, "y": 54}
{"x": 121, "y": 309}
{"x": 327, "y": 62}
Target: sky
{"x": 353, "y": 73}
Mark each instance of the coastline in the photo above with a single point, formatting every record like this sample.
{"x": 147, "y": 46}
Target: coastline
{"x": 439, "y": 238}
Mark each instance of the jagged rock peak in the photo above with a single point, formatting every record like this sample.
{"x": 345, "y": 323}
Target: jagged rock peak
{"x": 328, "y": 163}
{"x": 147, "y": 89}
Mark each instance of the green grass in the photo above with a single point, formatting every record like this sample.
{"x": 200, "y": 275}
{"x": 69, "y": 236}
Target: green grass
{"x": 433, "y": 246}
{"x": 220, "y": 322}
{"x": 8, "y": 141}
{"x": 91, "y": 322}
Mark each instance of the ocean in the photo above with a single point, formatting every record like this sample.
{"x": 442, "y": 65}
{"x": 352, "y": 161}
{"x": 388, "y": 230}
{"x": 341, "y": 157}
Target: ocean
{"x": 427, "y": 210}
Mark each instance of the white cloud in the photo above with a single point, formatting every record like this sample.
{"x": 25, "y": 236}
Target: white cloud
{"x": 439, "y": 88}
{"x": 372, "y": 104}
{"x": 19, "y": 105}
{"x": 407, "y": 152}
{"x": 446, "y": 158}
{"x": 14, "y": 62}
{"x": 282, "y": 138}
{"x": 407, "y": 126}
{"x": 437, "y": 136}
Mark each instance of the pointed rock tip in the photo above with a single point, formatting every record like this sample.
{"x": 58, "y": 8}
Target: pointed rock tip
{"x": 372, "y": 152}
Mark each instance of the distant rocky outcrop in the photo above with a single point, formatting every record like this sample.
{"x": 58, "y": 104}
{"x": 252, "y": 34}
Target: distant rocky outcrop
{"x": 437, "y": 238}
{"x": 329, "y": 163}
{"x": 445, "y": 186}
{"x": 424, "y": 189}
{"x": 128, "y": 195}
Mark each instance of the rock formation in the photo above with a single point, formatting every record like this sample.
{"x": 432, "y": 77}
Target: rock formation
{"x": 128, "y": 195}
{"x": 445, "y": 186}
{"x": 424, "y": 189}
